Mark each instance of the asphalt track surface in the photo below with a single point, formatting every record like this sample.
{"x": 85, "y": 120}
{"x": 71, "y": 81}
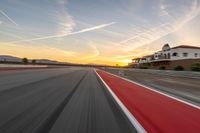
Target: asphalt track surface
{"x": 155, "y": 111}
{"x": 70, "y": 100}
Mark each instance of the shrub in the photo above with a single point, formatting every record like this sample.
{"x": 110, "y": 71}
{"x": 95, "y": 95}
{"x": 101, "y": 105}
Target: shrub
{"x": 143, "y": 67}
{"x": 33, "y": 61}
{"x": 179, "y": 68}
{"x": 195, "y": 67}
{"x": 146, "y": 64}
{"x": 25, "y": 60}
{"x": 162, "y": 68}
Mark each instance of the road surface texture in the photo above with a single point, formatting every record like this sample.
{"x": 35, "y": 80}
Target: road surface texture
{"x": 155, "y": 111}
{"x": 184, "y": 85}
{"x": 70, "y": 100}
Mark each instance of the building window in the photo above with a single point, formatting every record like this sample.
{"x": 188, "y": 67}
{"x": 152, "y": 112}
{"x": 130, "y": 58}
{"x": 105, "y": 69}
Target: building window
{"x": 196, "y": 54}
{"x": 165, "y": 56}
{"x": 185, "y": 54}
{"x": 175, "y": 54}
{"x": 168, "y": 55}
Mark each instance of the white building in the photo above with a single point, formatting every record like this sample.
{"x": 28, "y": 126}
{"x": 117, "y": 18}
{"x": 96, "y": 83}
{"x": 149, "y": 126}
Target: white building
{"x": 146, "y": 59}
{"x": 185, "y": 52}
{"x": 183, "y": 55}
{"x": 177, "y": 53}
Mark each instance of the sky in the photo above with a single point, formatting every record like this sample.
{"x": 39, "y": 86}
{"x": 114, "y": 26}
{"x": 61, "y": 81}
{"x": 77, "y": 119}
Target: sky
{"x": 96, "y": 31}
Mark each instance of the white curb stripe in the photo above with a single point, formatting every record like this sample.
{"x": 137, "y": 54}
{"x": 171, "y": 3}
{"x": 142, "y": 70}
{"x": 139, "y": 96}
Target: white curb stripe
{"x": 146, "y": 87}
{"x": 132, "y": 119}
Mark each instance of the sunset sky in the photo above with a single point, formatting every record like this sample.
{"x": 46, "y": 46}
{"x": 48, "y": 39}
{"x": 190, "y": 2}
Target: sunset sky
{"x": 96, "y": 31}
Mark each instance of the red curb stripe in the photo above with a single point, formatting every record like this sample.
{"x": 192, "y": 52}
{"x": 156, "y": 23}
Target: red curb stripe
{"x": 155, "y": 112}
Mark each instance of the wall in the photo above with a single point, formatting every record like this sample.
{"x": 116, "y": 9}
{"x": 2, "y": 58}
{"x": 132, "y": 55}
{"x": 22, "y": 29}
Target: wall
{"x": 180, "y": 52}
{"x": 186, "y": 63}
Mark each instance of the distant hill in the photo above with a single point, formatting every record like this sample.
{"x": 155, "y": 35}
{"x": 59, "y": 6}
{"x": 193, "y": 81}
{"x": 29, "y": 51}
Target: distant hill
{"x": 14, "y": 60}
{"x": 8, "y": 58}
{"x": 46, "y": 61}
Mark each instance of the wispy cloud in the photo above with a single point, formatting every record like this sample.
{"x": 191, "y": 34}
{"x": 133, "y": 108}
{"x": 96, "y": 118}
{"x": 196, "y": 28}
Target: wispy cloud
{"x": 157, "y": 32}
{"x": 11, "y": 35}
{"x": 142, "y": 27}
{"x": 68, "y": 34}
{"x": 92, "y": 55}
{"x": 147, "y": 35}
{"x": 65, "y": 21}
{"x": 194, "y": 10}
{"x": 163, "y": 9}
{"x": 9, "y": 18}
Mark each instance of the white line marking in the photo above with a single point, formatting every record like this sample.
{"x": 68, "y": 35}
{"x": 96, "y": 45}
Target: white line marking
{"x": 146, "y": 87}
{"x": 132, "y": 119}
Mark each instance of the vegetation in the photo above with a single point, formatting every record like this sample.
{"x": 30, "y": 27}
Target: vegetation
{"x": 179, "y": 68}
{"x": 147, "y": 64}
{"x": 162, "y": 68}
{"x": 25, "y": 60}
{"x": 143, "y": 67}
{"x": 33, "y": 61}
{"x": 195, "y": 67}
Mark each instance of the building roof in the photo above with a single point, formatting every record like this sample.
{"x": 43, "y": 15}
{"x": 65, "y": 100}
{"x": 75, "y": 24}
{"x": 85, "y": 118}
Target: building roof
{"x": 186, "y": 46}
{"x": 148, "y": 56}
{"x": 136, "y": 58}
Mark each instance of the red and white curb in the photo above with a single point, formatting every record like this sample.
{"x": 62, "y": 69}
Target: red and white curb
{"x": 132, "y": 119}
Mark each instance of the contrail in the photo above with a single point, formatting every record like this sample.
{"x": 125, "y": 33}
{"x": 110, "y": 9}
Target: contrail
{"x": 11, "y": 20}
{"x": 136, "y": 36}
{"x": 68, "y": 34}
{"x": 96, "y": 27}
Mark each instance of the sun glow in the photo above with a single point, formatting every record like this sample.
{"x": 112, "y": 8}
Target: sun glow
{"x": 127, "y": 61}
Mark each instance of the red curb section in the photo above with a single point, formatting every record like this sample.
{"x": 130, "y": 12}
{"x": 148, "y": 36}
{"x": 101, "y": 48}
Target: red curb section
{"x": 157, "y": 113}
